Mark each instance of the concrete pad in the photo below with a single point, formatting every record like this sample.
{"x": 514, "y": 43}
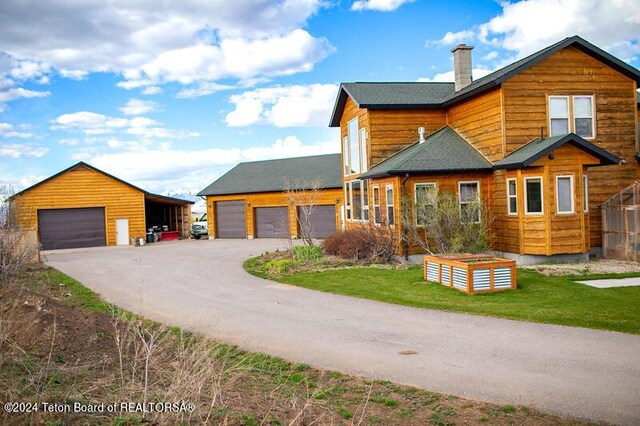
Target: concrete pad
{"x": 612, "y": 283}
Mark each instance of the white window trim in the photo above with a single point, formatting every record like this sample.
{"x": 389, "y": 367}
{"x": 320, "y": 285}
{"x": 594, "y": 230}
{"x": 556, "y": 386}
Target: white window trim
{"x": 392, "y": 205}
{"x": 510, "y": 196}
{"x": 375, "y": 188}
{"x": 585, "y": 193}
{"x": 593, "y": 115}
{"x": 571, "y": 113}
{"x": 415, "y": 197}
{"x": 460, "y": 183}
{"x": 347, "y": 201}
{"x": 363, "y": 149}
{"x": 352, "y": 205}
{"x": 526, "y": 203}
{"x": 346, "y": 162}
{"x": 357, "y": 136}
{"x": 569, "y": 121}
{"x": 573, "y": 196}
{"x": 365, "y": 206}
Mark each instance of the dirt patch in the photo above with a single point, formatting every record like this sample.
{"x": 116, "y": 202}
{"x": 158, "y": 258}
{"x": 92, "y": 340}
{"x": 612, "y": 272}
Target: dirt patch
{"x": 593, "y": 267}
{"x": 55, "y": 352}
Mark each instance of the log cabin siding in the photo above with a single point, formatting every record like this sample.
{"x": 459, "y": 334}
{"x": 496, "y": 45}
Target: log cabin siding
{"x": 572, "y": 72}
{"x": 479, "y": 121}
{"x": 83, "y": 187}
{"x": 332, "y": 196}
{"x": 390, "y": 131}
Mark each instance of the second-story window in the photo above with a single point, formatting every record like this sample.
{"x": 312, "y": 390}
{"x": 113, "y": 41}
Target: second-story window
{"x": 572, "y": 114}
{"x": 558, "y": 115}
{"x": 354, "y": 147}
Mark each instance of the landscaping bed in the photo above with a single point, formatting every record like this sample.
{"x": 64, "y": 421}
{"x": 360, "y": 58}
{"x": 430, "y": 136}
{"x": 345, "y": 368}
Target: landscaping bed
{"x": 61, "y": 344}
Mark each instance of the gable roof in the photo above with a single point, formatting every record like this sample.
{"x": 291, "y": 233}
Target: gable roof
{"x": 156, "y": 197}
{"x": 434, "y": 95}
{"x": 442, "y": 151}
{"x": 272, "y": 175}
{"x": 534, "y": 150}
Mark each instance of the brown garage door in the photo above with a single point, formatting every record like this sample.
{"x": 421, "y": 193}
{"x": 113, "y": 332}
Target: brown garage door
{"x": 272, "y": 222}
{"x": 322, "y": 220}
{"x": 230, "y": 222}
{"x": 71, "y": 228}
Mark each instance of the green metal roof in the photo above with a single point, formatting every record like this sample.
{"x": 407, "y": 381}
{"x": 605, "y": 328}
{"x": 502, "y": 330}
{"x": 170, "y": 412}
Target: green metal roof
{"x": 273, "y": 175}
{"x": 443, "y": 95}
{"x": 529, "y": 153}
{"x": 442, "y": 151}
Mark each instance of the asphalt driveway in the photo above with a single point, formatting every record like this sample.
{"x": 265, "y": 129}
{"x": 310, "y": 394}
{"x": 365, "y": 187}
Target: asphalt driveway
{"x": 201, "y": 286}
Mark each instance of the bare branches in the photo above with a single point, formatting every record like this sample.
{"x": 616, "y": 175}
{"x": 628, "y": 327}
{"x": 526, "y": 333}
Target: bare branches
{"x": 17, "y": 249}
{"x": 304, "y": 196}
{"x": 439, "y": 223}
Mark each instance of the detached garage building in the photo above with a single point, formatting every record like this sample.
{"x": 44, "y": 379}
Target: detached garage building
{"x": 250, "y": 200}
{"x": 83, "y": 206}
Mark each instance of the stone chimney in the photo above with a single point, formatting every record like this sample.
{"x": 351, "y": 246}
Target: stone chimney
{"x": 462, "y": 65}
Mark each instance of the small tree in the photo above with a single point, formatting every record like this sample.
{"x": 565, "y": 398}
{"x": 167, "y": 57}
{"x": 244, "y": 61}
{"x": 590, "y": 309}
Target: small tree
{"x": 304, "y": 196}
{"x": 439, "y": 223}
{"x": 16, "y": 248}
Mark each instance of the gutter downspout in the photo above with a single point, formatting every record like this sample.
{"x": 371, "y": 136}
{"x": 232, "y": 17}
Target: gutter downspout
{"x": 405, "y": 244}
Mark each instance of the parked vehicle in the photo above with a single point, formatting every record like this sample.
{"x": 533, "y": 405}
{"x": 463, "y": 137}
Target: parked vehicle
{"x": 199, "y": 227}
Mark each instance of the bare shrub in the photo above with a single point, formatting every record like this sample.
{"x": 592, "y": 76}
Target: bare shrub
{"x": 17, "y": 249}
{"x": 438, "y": 223}
{"x": 304, "y": 197}
{"x": 368, "y": 242}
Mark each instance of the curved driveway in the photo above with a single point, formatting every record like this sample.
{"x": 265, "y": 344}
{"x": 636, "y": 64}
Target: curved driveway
{"x": 201, "y": 286}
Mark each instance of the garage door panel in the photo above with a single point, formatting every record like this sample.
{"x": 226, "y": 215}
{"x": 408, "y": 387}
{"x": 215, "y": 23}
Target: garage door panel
{"x": 71, "y": 228}
{"x": 272, "y": 222}
{"x": 322, "y": 220}
{"x": 230, "y": 219}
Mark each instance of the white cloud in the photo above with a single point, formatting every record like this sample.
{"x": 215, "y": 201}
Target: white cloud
{"x": 163, "y": 169}
{"x": 299, "y": 105}
{"x": 613, "y": 25}
{"x": 449, "y": 75}
{"x": 69, "y": 141}
{"x": 490, "y": 56}
{"x": 138, "y": 107}
{"x": 235, "y": 57}
{"x": 152, "y": 90}
{"x": 7, "y": 130}
{"x": 379, "y": 5}
{"x": 203, "y": 89}
{"x": 151, "y": 43}
{"x": 15, "y": 150}
{"x": 94, "y": 124}
{"x": 18, "y": 93}
{"x": 451, "y": 39}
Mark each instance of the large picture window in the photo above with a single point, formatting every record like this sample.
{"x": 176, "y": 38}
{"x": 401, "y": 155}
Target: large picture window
{"x": 357, "y": 200}
{"x": 363, "y": 150}
{"x": 533, "y": 195}
{"x": 512, "y": 196}
{"x": 564, "y": 194}
{"x": 354, "y": 148}
{"x": 425, "y": 200}
{"x": 345, "y": 156}
{"x": 469, "y": 196}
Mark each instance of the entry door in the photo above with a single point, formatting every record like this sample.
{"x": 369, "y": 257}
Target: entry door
{"x": 122, "y": 232}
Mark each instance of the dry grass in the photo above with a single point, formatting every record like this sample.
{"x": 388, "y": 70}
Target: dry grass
{"x": 53, "y": 351}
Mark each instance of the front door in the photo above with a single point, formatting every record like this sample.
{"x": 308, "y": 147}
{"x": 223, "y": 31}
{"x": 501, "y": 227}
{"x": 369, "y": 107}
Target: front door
{"x": 122, "y": 232}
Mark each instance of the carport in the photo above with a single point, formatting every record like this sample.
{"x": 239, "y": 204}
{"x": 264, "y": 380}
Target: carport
{"x": 167, "y": 215}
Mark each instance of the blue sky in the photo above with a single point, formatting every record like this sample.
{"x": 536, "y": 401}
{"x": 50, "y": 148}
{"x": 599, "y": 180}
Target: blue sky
{"x": 169, "y": 97}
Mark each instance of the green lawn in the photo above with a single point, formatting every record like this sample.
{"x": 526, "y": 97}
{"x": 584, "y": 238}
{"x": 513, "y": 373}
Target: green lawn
{"x": 556, "y": 300}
